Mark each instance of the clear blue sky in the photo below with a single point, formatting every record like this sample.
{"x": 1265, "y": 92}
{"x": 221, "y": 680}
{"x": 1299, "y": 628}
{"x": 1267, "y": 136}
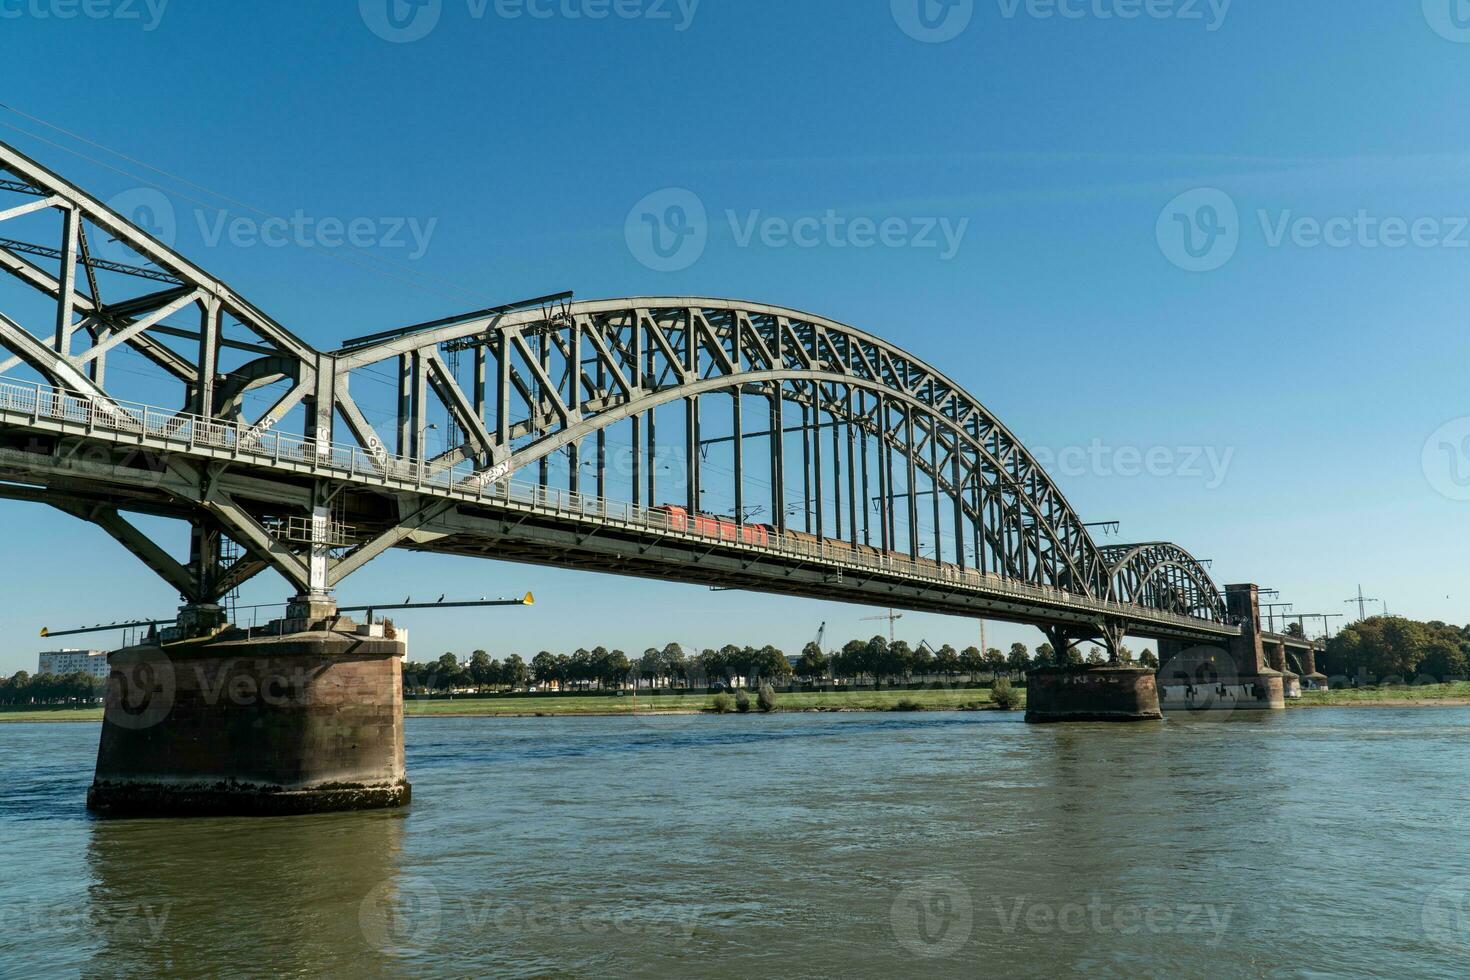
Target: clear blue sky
{"x": 1319, "y": 371}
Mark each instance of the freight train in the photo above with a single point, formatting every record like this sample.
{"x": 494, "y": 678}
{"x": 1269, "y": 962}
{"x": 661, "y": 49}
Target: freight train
{"x": 727, "y": 529}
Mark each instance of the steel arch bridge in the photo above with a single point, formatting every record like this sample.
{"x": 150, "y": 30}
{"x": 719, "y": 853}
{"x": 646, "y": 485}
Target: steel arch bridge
{"x": 703, "y": 440}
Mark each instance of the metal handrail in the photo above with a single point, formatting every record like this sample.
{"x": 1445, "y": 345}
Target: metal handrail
{"x": 272, "y": 448}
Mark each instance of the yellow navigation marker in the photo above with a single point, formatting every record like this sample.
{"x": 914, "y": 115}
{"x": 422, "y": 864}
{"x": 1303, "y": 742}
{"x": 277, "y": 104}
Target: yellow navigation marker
{"x": 529, "y": 600}
{"x": 45, "y": 631}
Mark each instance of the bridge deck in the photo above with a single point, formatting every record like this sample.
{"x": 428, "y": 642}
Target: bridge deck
{"x": 507, "y": 520}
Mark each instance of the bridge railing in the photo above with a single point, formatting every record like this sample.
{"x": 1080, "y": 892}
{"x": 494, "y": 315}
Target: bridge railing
{"x": 41, "y": 402}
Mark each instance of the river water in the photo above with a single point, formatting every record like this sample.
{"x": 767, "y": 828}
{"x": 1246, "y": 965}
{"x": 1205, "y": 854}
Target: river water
{"x": 1313, "y": 843}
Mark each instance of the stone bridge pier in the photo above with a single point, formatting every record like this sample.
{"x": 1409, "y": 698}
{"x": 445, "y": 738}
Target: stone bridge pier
{"x": 1248, "y": 674}
{"x": 1091, "y": 692}
{"x": 303, "y": 715}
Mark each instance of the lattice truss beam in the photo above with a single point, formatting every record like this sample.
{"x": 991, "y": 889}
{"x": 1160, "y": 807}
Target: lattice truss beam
{"x": 827, "y": 430}
{"x": 863, "y": 419}
{"x": 1164, "y": 576}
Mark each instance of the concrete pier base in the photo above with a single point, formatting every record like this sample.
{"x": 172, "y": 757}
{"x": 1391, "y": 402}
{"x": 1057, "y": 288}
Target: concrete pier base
{"x": 263, "y": 725}
{"x": 1091, "y": 693}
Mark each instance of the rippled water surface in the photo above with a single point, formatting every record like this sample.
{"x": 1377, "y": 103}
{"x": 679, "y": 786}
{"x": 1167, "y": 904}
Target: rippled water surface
{"x": 1325, "y": 842}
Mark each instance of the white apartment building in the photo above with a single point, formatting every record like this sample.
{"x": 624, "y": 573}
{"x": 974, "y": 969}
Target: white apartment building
{"x": 92, "y": 662}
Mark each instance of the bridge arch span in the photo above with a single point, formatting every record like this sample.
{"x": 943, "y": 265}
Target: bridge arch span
{"x": 1161, "y": 575}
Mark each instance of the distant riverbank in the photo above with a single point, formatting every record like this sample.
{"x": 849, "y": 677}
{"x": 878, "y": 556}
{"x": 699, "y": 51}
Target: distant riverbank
{"x": 933, "y": 699}
{"x": 611, "y": 705}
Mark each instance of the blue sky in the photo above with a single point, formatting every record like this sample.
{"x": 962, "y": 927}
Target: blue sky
{"x": 1298, "y": 391}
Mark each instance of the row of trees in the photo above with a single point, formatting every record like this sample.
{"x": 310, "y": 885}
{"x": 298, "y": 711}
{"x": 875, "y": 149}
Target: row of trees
{"x": 872, "y": 660}
{"x": 1384, "y": 647}
{"x": 77, "y": 688}
{"x": 879, "y": 660}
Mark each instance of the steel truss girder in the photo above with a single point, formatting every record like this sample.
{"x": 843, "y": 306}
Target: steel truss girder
{"x": 1161, "y": 575}
{"x": 546, "y": 380}
{"x": 649, "y": 353}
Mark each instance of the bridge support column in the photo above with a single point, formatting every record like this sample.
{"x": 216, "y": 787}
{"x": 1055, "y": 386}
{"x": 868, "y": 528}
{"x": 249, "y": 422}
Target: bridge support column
{"x": 1097, "y": 693}
{"x": 1082, "y": 692}
{"x": 1233, "y": 676}
{"x": 1311, "y": 679}
{"x": 261, "y": 722}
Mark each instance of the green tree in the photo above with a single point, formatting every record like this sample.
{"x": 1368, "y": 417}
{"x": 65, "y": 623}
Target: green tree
{"x": 651, "y": 666}
{"x": 543, "y": 667}
{"x": 613, "y": 669}
{"x": 676, "y": 664}
{"x": 479, "y": 671}
{"x": 899, "y": 661}
{"x": 1095, "y": 656}
{"x": 1379, "y": 647}
{"x": 513, "y": 672}
{"x": 849, "y": 662}
{"x": 1046, "y": 656}
{"x": 995, "y": 662}
{"x": 1148, "y": 659}
{"x": 813, "y": 663}
{"x": 771, "y": 665}
{"x": 447, "y": 673}
{"x": 1019, "y": 659}
{"x": 947, "y": 661}
{"x": 973, "y": 661}
{"x": 875, "y": 658}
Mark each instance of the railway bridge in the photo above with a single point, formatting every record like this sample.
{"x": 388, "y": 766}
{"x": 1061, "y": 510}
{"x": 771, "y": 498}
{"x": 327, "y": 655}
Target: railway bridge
{"x": 702, "y": 440}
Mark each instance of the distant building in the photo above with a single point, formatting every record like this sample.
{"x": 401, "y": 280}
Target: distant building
{"x": 92, "y": 662}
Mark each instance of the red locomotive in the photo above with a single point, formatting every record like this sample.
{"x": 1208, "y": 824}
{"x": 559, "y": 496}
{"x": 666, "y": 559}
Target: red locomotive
{"x": 723, "y": 528}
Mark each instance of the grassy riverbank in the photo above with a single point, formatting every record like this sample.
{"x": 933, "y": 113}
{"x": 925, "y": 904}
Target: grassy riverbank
{"x": 1397, "y": 696}
{"x": 553, "y": 705}
{"x": 959, "y": 699}
{"x": 949, "y": 699}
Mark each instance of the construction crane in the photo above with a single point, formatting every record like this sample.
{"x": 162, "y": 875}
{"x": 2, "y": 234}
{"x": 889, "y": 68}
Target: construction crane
{"x": 892, "y": 618}
{"x": 1362, "y": 602}
{"x": 821, "y": 634}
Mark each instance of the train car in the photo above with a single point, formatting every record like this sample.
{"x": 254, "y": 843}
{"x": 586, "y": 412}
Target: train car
{"x": 677, "y": 517}
{"x": 714, "y": 526}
